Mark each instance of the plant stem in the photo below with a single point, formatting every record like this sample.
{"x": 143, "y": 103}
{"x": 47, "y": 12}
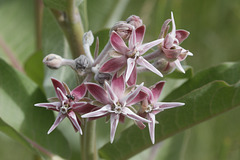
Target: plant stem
{"x": 88, "y": 141}
{"x": 38, "y": 23}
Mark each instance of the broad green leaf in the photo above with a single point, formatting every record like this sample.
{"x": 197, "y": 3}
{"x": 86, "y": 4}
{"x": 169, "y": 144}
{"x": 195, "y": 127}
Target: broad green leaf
{"x": 60, "y": 4}
{"x": 18, "y": 96}
{"x": 202, "y": 101}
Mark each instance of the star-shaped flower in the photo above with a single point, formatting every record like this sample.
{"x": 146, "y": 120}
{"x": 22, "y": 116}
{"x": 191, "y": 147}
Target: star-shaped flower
{"x": 117, "y": 102}
{"x": 67, "y": 104}
{"x": 129, "y": 57}
{"x": 151, "y": 107}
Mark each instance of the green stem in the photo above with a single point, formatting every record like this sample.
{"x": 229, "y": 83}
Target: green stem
{"x": 38, "y": 23}
{"x": 88, "y": 141}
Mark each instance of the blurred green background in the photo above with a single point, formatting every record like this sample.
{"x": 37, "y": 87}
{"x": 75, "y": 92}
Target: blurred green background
{"x": 214, "y": 39}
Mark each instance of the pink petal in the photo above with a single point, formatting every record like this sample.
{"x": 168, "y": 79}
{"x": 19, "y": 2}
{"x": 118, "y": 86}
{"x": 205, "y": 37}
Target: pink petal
{"x": 145, "y": 47}
{"x": 79, "y": 92}
{"x": 167, "y": 105}
{"x": 140, "y": 31}
{"x": 59, "y": 119}
{"x": 142, "y": 62}
{"x": 113, "y": 64}
{"x": 130, "y": 114}
{"x": 98, "y": 92}
{"x": 83, "y": 109}
{"x": 181, "y": 35}
{"x": 168, "y": 41}
{"x": 179, "y": 66}
{"x": 74, "y": 121}
{"x": 172, "y": 53}
{"x": 118, "y": 44}
{"x": 98, "y": 113}
{"x": 132, "y": 40}
{"x": 62, "y": 96}
{"x": 58, "y": 84}
{"x": 156, "y": 91}
{"x": 77, "y": 105}
{"x": 114, "y": 122}
{"x": 164, "y": 28}
{"x": 173, "y": 32}
{"x": 110, "y": 93}
{"x": 140, "y": 124}
{"x": 118, "y": 85}
{"x": 130, "y": 67}
{"x": 148, "y": 92}
{"x": 131, "y": 95}
{"x": 141, "y": 96}
{"x": 52, "y": 106}
{"x": 151, "y": 126}
{"x": 133, "y": 77}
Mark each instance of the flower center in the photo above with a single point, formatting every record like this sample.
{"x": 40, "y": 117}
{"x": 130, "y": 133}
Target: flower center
{"x": 64, "y": 109}
{"x": 118, "y": 108}
{"x": 148, "y": 109}
{"x": 70, "y": 97}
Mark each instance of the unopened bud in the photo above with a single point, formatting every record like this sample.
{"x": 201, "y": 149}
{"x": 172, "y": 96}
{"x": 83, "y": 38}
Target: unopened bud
{"x": 123, "y": 29}
{"x": 164, "y": 66}
{"x": 135, "y": 21}
{"x": 53, "y": 61}
{"x": 88, "y": 38}
{"x": 82, "y": 63}
{"x": 101, "y": 77}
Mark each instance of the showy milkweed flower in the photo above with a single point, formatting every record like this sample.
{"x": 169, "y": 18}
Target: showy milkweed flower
{"x": 67, "y": 103}
{"x": 117, "y": 102}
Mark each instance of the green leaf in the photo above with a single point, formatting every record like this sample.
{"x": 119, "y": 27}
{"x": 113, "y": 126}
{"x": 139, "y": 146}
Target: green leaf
{"x": 206, "y": 95}
{"x": 60, "y": 4}
{"x": 18, "y": 96}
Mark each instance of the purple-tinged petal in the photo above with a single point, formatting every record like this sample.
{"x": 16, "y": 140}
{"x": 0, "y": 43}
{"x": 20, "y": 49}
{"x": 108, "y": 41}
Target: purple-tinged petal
{"x": 129, "y": 98}
{"x": 98, "y": 92}
{"x": 168, "y": 41}
{"x": 133, "y": 77}
{"x": 142, "y": 62}
{"x": 132, "y": 40}
{"x": 181, "y": 35}
{"x": 113, "y": 64}
{"x": 84, "y": 108}
{"x": 151, "y": 126}
{"x": 77, "y": 105}
{"x": 146, "y": 46}
{"x": 130, "y": 67}
{"x": 114, "y": 123}
{"x": 121, "y": 118}
{"x": 52, "y": 106}
{"x": 130, "y": 114}
{"x": 179, "y": 66}
{"x": 79, "y": 92}
{"x": 172, "y": 53}
{"x": 140, "y": 124}
{"x": 118, "y": 44}
{"x": 100, "y": 112}
{"x": 62, "y": 96}
{"x": 167, "y": 105}
{"x": 118, "y": 85}
{"x": 173, "y": 32}
{"x": 110, "y": 93}
{"x": 74, "y": 121}
{"x": 58, "y": 84}
{"x": 141, "y": 96}
{"x": 156, "y": 91}
{"x": 140, "y": 31}
{"x": 148, "y": 92}
{"x": 164, "y": 28}
{"x": 59, "y": 119}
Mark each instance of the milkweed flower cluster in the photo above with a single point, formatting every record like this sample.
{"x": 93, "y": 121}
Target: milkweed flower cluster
{"x": 111, "y": 76}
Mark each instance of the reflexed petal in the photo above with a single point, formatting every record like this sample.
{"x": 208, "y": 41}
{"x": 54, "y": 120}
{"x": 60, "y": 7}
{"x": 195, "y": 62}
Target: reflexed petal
{"x": 145, "y": 47}
{"x": 142, "y": 62}
{"x": 129, "y": 98}
{"x": 181, "y": 35}
{"x": 156, "y": 91}
{"x": 66, "y": 88}
{"x": 173, "y": 33}
{"x": 79, "y": 92}
{"x": 84, "y": 108}
{"x": 130, "y": 67}
{"x": 118, "y": 85}
{"x": 110, "y": 93}
{"x": 132, "y": 40}
{"x": 167, "y": 105}
{"x": 74, "y": 121}
{"x": 100, "y": 112}
{"x": 114, "y": 122}
{"x": 164, "y": 28}
{"x": 141, "y": 96}
{"x": 140, "y": 124}
{"x": 130, "y": 114}
{"x": 98, "y": 92}
{"x": 148, "y": 92}
{"x": 113, "y": 64}
{"x": 52, "y": 106}
{"x": 172, "y": 53}
{"x": 151, "y": 126}
{"x": 140, "y": 31}
{"x": 118, "y": 44}
{"x": 133, "y": 77}
{"x": 77, "y": 105}
{"x": 58, "y": 84}
{"x": 62, "y": 96}
{"x": 179, "y": 66}
{"x": 59, "y": 119}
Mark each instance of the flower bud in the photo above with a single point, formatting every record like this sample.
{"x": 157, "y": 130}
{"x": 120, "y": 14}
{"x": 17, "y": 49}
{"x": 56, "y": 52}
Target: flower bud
{"x": 101, "y": 77}
{"x": 135, "y": 21}
{"x": 82, "y": 63}
{"x": 123, "y": 29}
{"x": 164, "y": 66}
{"x": 53, "y": 61}
{"x": 88, "y": 38}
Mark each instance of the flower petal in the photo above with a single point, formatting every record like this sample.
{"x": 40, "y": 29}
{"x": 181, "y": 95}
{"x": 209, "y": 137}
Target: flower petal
{"x": 168, "y": 41}
{"x": 57, "y": 84}
{"x": 132, "y": 40}
{"x": 98, "y": 92}
{"x": 59, "y": 119}
{"x": 113, "y": 64}
{"x": 156, "y": 91}
{"x": 151, "y": 126}
{"x": 131, "y": 95}
{"x": 146, "y": 46}
{"x": 142, "y": 62}
{"x": 62, "y": 96}
{"x": 167, "y": 105}
{"x": 133, "y": 77}
{"x": 179, "y": 66}
{"x": 164, "y": 28}
{"x": 140, "y": 31}
{"x": 83, "y": 109}
{"x": 172, "y": 53}
{"x": 79, "y": 92}
{"x": 52, "y": 106}
{"x": 173, "y": 32}
{"x": 130, "y": 114}
{"x": 114, "y": 123}
{"x": 118, "y": 85}
{"x": 141, "y": 96}
{"x": 130, "y": 67}
{"x": 181, "y": 35}
{"x": 112, "y": 96}
{"x": 98, "y": 113}
{"x": 75, "y": 122}
{"x": 118, "y": 44}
